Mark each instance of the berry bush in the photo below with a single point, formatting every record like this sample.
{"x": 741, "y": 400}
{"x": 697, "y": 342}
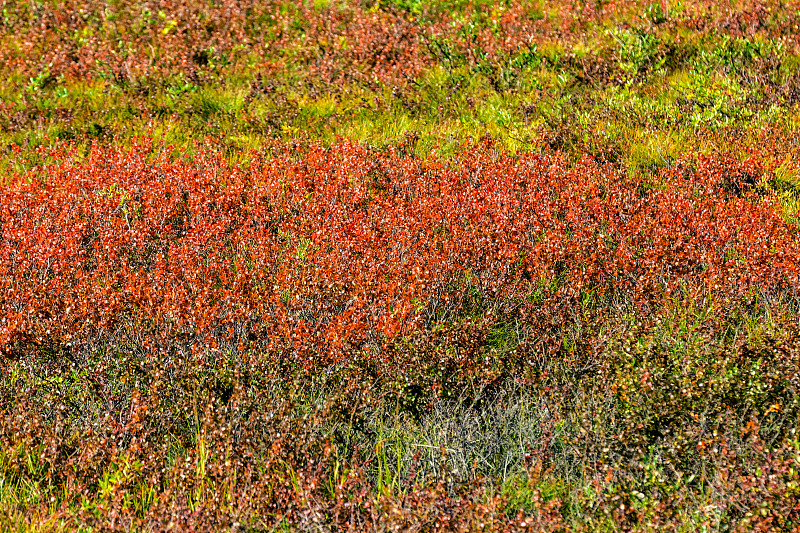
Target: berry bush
{"x": 230, "y": 345}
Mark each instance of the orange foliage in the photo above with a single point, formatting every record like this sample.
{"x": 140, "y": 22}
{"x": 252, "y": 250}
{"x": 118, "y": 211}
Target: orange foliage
{"x": 327, "y": 250}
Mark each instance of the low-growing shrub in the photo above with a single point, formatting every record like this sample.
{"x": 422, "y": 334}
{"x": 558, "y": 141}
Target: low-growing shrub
{"x": 355, "y": 339}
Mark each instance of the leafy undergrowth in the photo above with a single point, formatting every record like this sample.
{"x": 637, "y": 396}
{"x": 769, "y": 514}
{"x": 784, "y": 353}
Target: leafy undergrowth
{"x": 350, "y": 339}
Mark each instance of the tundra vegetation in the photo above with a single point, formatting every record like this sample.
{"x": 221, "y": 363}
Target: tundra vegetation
{"x": 399, "y": 265}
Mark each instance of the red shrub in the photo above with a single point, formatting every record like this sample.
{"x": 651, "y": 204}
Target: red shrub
{"x": 334, "y": 249}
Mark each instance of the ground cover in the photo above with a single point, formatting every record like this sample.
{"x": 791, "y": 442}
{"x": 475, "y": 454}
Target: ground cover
{"x": 399, "y": 266}
{"x": 625, "y": 80}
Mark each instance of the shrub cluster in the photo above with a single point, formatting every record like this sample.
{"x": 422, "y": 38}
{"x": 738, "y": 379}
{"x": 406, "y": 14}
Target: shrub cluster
{"x": 356, "y": 339}
{"x": 338, "y": 249}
